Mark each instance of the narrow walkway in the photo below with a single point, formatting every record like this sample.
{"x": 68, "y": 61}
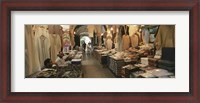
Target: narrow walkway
{"x": 93, "y": 69}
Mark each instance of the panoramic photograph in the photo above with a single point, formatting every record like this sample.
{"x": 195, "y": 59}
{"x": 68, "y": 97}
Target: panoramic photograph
{"x": 99, "y": 51}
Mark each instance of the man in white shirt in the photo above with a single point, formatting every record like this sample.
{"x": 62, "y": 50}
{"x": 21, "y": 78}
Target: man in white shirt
{"x": 59, "y": 60}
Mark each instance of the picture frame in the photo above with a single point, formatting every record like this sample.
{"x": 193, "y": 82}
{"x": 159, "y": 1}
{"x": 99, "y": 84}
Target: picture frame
{"x": 7, "y": 6}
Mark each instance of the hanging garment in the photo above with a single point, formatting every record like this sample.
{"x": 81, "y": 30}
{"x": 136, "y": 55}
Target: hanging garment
{"x": 32, "y": 64}
{"x": 55, "y": 29}
{"x": 125, "y": 42}
{"x": 152, "y": 38}
{"x": 66, "y": 42}
{"x": 165, "y": 36}
{"x": 98, "y": 29}
{"x": 55, "y": 43}
{"x": 43, "y": 48}
{"x": 42, "y": 43}
{"x": 91, "y": 30}
{"x": 116, "y": 41}
{"x": 66, "y": 39}
{"x": 132, "y": 29}
{"x": 145, "y": 36}
{"x": 140, "y": 38}
{"x": 104, "y": 40}
{"x": 134, "y": 41}
{"x": 51, "y": 29}
{"x": 109, "y": 44}
{"x": 119, "y": 39}
{"x": 109, "y": 35}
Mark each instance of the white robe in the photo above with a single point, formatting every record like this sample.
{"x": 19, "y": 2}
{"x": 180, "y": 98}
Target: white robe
{"x": 109, "y": 44}
{"x": 55, "y": 42}
{"x": 145, "y": 36}
{"x": 32, "y": 64}
{"x": 42, "y": 44}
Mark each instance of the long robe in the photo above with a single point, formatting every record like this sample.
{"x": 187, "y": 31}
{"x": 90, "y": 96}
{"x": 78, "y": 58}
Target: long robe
{"x": 132, "y": 29}
{"x": 125, "y": 42}
{"x": 165, "y": 36}
{"x": 42, "y": 44}
{"x": 91, "y": 30}
{"x": 55, "y": 42}
{"x": 145, "y": 36}
{"x": 32, "y": 64}
{"x": 109, "y": 44}
{"x": 134, "y": 40}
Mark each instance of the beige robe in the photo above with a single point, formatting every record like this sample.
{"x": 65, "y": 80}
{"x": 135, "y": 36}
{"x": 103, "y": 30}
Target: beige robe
{"x": 55, "y": 29}
{"x": 109, "y": 44}
{"x": 55, "y": 43}
{"x": 91, "y": 29}
{"x": 134, "y": 40}
{"x": 32, "y": 64}
{"x": 125, "y": 42}
{"x": 132, "y": 29}
{"x": 165, "y": 36}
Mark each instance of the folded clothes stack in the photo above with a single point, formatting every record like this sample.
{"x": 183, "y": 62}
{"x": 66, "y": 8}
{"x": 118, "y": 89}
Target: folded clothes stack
{"x": 153, "y": 61}
{"x": 147, "y": 75}
{"x": 76, "y": 61}
{"x": 47, "y": 73}
{"x": 153, "y": 72}
{"x": 78, "y": 56}
{"x": 144, "y": 61}
{"x": 136, "y": 74}
{"x": 161, "y": 73}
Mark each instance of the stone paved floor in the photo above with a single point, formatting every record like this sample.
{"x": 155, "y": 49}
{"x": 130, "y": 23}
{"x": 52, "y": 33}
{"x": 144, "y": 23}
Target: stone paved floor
{"x": 93, "y": 69}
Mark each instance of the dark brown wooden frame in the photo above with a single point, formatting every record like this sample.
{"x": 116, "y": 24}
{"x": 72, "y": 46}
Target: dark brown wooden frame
{"x": 193, "y": 96}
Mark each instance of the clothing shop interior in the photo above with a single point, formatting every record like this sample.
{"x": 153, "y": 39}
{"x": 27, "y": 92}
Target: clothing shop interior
{"x": 99, "y": 51}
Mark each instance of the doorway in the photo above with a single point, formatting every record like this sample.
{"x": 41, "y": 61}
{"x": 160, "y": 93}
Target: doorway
{"x": 87, "y": 41}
